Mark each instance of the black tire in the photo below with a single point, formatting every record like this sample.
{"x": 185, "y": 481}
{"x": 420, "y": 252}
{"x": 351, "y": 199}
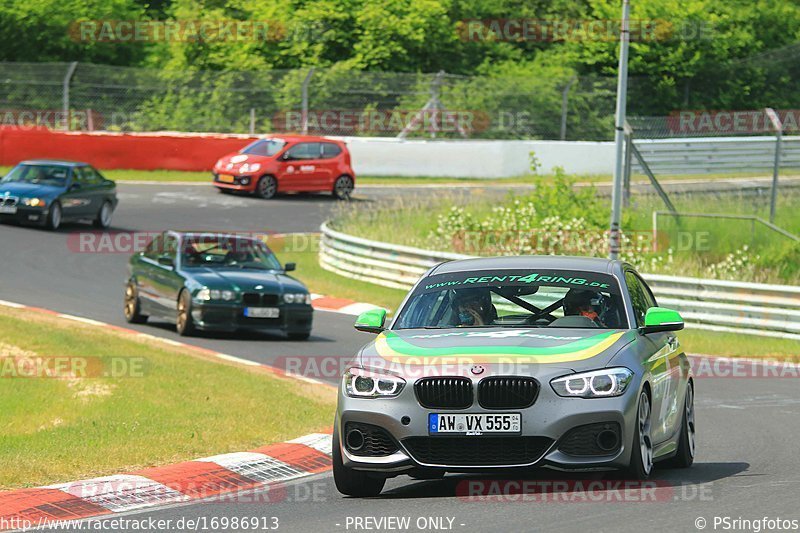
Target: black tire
{"x": 299, "y": 335}
{"x": 267, "y": 187}
{"x": 133, "y": 307}
{"x": 103, "y": 218}
{"x": 353, "y": 482}
{"x": 684, "y": 457}
{"x": 184, "y": 324}
{"x": 54, "y": 216}
{"x": 343, "y": 187}
{"x": 641, "y": 462}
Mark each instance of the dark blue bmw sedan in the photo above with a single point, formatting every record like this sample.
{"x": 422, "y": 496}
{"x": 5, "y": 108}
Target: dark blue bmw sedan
{"x": 49, "y": 192}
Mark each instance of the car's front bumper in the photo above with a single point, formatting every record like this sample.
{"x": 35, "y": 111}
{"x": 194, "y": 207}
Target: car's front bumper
{"x": 546, "y": 423}
{"x": 293, "y": 318}
{"x": 27, "y": 215}
{"x": 237, "y": 185}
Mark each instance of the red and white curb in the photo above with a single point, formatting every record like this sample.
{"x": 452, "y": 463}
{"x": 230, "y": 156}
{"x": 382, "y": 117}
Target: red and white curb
{"x": 219, "y": 476}
{"x": 340, "y": 305}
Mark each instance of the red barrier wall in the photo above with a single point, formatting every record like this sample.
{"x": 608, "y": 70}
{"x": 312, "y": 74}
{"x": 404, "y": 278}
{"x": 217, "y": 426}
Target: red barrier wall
{"x": 172, "y": 151}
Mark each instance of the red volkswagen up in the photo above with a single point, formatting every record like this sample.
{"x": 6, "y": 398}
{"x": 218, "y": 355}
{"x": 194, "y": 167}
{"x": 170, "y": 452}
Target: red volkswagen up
{"x": 289, "y": 163}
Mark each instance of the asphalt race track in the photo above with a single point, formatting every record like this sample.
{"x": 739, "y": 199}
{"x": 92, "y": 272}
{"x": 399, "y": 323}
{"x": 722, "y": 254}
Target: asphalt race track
{"x": 747, "y": 464}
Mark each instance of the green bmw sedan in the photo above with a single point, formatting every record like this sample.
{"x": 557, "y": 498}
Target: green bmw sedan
{"x": 216, "y": 282}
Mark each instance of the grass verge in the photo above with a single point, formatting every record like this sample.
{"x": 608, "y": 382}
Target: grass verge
{"x": 699, "y": 341}
{"x": 162, "y": 404}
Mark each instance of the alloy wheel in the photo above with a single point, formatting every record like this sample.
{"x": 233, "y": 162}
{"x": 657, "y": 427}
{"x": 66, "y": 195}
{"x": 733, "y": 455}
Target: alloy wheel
{"x": 645, "y": 440}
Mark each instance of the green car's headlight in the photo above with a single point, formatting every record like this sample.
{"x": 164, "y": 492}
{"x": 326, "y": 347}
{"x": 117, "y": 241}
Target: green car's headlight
{"x": 604, "y": 383}
{"x": 207, "y": 294}
{"x": 366, "y": 383}
{"x": 297, "y": 298}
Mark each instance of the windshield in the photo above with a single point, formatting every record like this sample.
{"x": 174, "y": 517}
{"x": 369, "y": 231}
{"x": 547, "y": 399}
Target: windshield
{"x": 264, "y": 147}
{"x": 38, "y": 174}
{"x": 227, "y": 252}
{"x": 512, "y": 298}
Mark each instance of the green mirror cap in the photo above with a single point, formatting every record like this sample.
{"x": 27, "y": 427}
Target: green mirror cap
{"x": 661, "y": 316}
{"x": 374, "y": 318}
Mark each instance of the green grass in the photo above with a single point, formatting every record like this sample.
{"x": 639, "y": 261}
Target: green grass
{"x": 179, "y": 407}
{"x": 698, "y": 341}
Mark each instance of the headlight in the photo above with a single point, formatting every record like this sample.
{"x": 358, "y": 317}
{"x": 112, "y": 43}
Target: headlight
{"x": 255, "y": 167}
{"x": 365, "y": 383}
{"x": 34, "y": 202}
{"x": 244, "y": 168}
{"x": 214, "y": 294}
{"x": 596, "y": 384}
{"x": 297, "y": 298}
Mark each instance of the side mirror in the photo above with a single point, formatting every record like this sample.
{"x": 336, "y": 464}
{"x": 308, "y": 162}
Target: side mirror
{"x": 288, "y": 267}
{"x": 371, "y": 321}
{"x": 166, "y": 261}
{"x": 285, "y": 156}
{"x": 75, "y": 187}
{"x": 660, "y": 319}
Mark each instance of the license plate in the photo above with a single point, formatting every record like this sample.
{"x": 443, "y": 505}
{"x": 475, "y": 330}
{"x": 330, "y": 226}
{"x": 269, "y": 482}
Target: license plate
{"x": 473, "y": 424}
{"x": 8, "y": 209}
{"x": 261, "y": 312}
{"x": 225, "y": 178}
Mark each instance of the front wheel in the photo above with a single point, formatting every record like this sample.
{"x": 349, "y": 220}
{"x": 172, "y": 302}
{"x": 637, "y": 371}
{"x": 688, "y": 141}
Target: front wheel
{"x": 54, "y": 216}
{"x": 133, "y": 307}
{"x": 183, "y": 322}
{"x": 103, "y": 218}
{"x": 641, "y": 463}
{"x": 343, "y": 188}
{"x": 353, "y": 482}
{"x": 267, "y": 187}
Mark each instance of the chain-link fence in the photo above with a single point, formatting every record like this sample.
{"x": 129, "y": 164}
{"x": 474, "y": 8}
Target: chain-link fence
{"x": 331, "y": 101}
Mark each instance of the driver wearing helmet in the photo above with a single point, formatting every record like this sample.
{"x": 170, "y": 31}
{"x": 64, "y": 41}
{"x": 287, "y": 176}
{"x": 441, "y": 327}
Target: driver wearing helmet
{"x": 581, "y": 302}
{"x": 474, "y": 307}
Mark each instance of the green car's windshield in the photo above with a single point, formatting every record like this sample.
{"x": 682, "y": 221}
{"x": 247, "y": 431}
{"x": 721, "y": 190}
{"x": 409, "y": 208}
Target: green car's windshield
{"x": 227, "y": 252}
{"x": 38, "y": 174}
{"x": 512, "y": 298}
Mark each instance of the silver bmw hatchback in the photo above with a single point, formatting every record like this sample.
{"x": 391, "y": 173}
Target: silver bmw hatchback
{"x": 515, "y": 363}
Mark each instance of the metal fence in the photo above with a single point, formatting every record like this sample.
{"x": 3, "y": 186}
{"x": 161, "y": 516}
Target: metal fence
{"x": 333, "y": 101}
{"x": 761, "y": 309}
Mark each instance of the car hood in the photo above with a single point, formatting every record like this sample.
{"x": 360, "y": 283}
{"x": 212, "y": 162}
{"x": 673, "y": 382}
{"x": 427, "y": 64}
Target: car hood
{"x": 494, "y": 348}
{"x": 244, "y": 280}
{"x": 30, "y": 189}
{"x": 233, "y": 162}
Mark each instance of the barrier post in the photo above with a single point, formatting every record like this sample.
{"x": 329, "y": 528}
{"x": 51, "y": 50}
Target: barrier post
{"x": 65, "y": 93}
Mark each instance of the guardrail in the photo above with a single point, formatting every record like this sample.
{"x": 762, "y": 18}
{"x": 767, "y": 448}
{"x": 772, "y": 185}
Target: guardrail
{"x": 717, "y": 154}
{"x": 754, "y": 308}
